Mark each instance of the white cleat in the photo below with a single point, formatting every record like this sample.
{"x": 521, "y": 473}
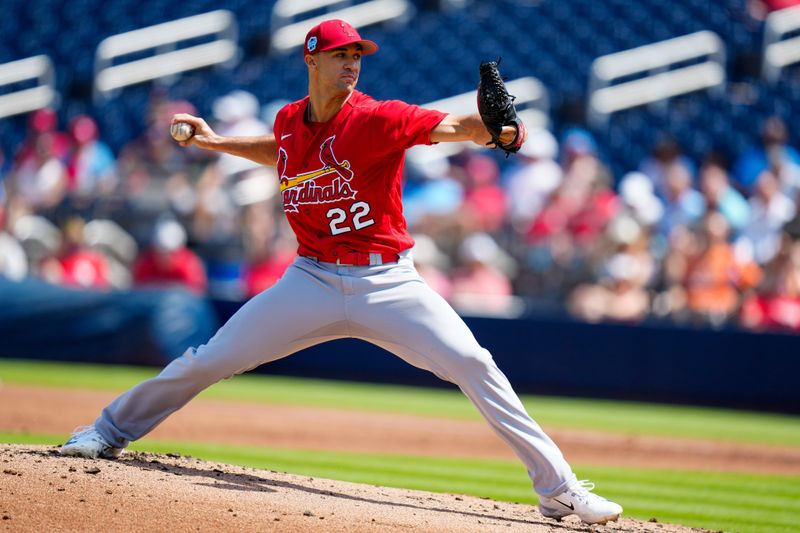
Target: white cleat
{"x": 580, "y": 501}
{"x": 87, "y": 442}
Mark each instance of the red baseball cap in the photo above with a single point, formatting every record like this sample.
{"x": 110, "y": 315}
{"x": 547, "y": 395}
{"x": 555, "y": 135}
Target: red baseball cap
{"x": 334, "y": 33}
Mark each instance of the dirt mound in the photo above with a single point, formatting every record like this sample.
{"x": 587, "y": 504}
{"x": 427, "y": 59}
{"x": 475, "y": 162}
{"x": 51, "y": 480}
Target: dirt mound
{"x": 42, "y": 491}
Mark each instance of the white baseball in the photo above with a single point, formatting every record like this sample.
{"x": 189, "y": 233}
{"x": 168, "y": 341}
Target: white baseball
{"x": 181, "y": 131}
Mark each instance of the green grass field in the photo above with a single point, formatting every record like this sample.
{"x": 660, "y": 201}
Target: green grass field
{"x": 718, "y": 501}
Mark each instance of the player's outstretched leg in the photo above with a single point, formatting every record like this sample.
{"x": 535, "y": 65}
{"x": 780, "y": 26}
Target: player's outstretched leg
{"x": 414, "y": 322}
{"x": 270, "y": 326}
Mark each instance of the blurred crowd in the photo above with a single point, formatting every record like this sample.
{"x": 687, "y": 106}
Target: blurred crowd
{"x": 713, "y": 242}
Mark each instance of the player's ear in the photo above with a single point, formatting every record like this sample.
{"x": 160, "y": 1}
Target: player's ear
{"x": 310, "y": 61}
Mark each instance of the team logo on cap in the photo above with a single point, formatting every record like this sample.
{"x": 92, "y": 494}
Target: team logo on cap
{"x": 312, "y": 44}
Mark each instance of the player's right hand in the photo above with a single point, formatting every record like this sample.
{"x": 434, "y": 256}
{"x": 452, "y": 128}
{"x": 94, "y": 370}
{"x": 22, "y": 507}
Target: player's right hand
{"x": 203, "y": 137}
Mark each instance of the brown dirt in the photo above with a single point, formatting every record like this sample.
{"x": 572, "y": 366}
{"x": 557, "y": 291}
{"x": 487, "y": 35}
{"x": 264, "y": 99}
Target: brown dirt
{"x": 41, "y": 491}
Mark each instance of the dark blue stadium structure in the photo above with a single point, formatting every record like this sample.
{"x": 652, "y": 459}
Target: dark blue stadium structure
{"x": 432, "y": 56}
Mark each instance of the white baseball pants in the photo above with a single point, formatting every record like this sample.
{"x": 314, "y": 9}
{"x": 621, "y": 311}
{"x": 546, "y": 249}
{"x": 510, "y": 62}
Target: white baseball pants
{"x": 388, "y": 305}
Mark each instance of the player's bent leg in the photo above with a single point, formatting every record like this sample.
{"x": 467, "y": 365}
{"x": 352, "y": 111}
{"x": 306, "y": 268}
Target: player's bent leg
{"x": 263, "y": 330}
{"x": 415, "y": 323}
{"x": 488, "y": 389}
{"x": 418, "y": 325}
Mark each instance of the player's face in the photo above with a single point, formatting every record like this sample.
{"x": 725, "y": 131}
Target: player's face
{"x": 340, "y": 67}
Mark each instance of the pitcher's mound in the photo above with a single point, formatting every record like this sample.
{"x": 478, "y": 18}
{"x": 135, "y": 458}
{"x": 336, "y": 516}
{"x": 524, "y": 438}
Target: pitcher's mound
{"x": 42, "y": 491}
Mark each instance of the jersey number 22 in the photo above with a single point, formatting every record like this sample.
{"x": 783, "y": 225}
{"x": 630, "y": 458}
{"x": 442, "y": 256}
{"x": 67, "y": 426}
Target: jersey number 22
{"x": 338, "y": 218}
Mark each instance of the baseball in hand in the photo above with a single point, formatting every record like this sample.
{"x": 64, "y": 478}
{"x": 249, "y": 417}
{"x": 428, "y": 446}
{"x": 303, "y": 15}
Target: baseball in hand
{"x": 181, "y": 131}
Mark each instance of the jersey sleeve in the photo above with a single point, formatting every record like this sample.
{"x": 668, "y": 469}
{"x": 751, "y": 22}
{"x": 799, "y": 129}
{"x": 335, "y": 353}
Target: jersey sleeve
{"x": 401, "y": 125}
{"x": 278, "y": 125}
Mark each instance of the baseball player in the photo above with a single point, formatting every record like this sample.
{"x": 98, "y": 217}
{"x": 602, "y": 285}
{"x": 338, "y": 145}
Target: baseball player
{"x": 339, "y": 156}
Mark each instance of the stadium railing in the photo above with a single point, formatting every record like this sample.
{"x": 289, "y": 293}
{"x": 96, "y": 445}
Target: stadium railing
{"x": 779, "y": 52}
{"x": 168, "y": 60}
{"x": 285, "y": 11}
{"x": 292, "y": 35}
{"x": 39, "y": 68}
{"x": 659, "y": 83}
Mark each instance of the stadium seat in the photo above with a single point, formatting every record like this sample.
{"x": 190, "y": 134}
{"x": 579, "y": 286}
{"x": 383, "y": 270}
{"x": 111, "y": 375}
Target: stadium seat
{"x": 554, "y": 41}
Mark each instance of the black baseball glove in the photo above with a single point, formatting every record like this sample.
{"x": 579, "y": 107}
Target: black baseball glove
{"x": 496, "y": 108}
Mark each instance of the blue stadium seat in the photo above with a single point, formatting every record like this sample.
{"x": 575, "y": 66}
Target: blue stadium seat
{"x": 555, "y": 41}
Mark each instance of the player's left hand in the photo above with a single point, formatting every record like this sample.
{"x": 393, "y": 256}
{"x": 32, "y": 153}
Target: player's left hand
{"x": 509, "y": 135}
{"x": 496, "y": 108}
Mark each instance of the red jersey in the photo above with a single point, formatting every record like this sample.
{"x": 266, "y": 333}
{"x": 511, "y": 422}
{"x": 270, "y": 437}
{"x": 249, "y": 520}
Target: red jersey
{"x": 341, "y": 180}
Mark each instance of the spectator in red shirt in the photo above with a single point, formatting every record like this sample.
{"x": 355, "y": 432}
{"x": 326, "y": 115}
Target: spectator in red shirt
{"x": 264, "y": 270}
{"x": 76, "y": 265}
{"x": 484, "y": 200}
{"x": 42, "y": 122}
{"x": 168, "y": 262}
{"x": 584, "y": 203}
{"x": 40, "y": 178}
{"x": 480, "y": 284}
{"x": 777, "y": 306}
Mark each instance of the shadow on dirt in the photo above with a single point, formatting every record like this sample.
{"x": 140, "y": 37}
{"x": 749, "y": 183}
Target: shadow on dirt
{"x": 220, "y": 479}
